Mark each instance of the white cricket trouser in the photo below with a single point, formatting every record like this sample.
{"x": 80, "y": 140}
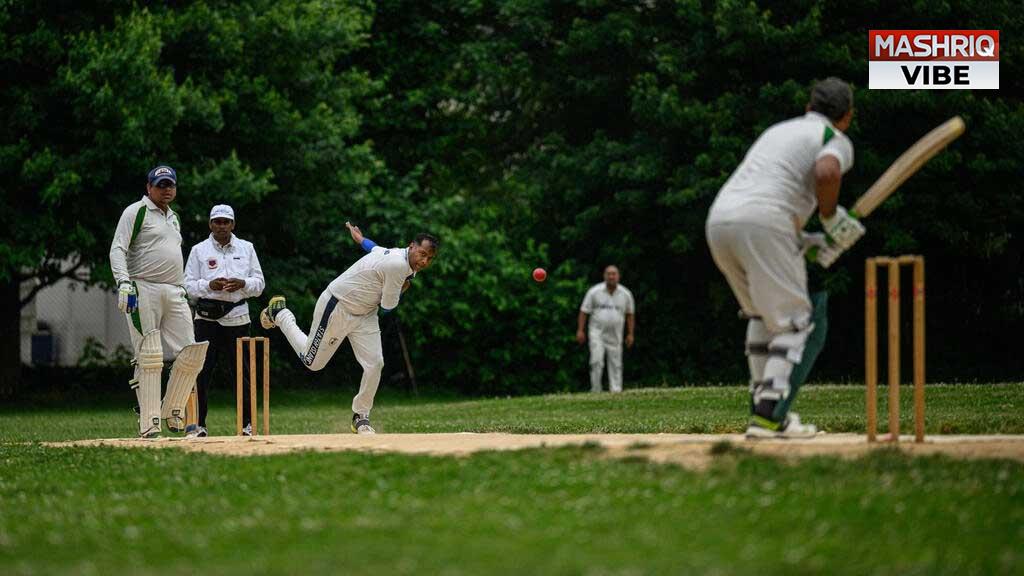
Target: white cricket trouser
{"x": 331, "y": 325}
{"x": 765, "y": 269}
{"x": 162, "y": 307}
{"x": 605, "y": 341}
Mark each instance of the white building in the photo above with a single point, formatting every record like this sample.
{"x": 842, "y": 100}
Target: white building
{"x": 64, "y": 316}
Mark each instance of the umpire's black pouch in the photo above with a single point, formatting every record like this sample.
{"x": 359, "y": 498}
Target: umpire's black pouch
{"x": 215, "y": 309}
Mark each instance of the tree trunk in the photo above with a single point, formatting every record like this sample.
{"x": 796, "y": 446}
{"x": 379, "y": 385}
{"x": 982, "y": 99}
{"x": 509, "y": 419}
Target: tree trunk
{"x": 10, "y": 337}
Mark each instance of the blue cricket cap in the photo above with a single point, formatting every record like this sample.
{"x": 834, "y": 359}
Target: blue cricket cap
{"x": 162, "y": 173}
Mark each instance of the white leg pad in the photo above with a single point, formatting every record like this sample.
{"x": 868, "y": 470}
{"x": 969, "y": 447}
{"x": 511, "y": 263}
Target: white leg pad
{"x": 785, "y": 351}
{"x": 150, "y": 358}
{"x": 182, "y": 381}
{"x": 758, "y": 338}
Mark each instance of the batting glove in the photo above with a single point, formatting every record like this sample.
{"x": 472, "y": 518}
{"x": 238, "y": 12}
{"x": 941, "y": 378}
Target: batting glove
{"x": 816, "y": 248}
{"x": 843, "y": 229}
{"x": 127, "y": 297}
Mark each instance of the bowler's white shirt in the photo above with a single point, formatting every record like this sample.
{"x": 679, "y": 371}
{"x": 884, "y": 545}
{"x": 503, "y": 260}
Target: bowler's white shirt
{"x": 374, "y": 280}
{"x": 777, "y": 174}
{"x": 210, "y": 260}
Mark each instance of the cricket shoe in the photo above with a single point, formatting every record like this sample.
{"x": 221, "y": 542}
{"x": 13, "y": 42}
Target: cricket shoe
{"x": 361, "y": 425}
{"x": 267, "y": 316}
{"x": 151, "y": 432}
{"x": 176, "y": 424}
{"x": 791, "y": 427}
{"x": 247, "y": 431}
{"x": 195, "y": 431}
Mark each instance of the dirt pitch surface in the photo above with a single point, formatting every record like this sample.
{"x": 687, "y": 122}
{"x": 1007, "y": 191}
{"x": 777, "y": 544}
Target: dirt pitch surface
{"x": 690, "y": 450}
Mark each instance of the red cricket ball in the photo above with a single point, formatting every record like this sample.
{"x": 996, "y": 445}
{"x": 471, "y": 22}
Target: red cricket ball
{"x": 539, "y": 274}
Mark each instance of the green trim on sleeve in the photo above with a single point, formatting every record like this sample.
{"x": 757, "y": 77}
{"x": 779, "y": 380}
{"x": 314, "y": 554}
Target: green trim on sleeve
{"x": 140, "y": 217}
{"x": 829, "y": 133}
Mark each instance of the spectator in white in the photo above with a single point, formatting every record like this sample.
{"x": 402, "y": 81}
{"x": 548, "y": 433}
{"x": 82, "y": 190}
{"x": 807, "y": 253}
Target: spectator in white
{"x": 145, "y": 258}
{"x": 222, "y": 273}
{"x": 610, "y": 307}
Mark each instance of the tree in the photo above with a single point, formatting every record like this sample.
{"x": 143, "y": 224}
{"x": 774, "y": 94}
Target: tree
{"x": 227, "y": 94}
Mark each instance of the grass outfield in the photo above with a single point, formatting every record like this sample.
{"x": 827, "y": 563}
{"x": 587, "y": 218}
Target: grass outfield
{"x": 951, "y": 409}
{"x": 555, "y": 511}
{"x": 109, "y": 511}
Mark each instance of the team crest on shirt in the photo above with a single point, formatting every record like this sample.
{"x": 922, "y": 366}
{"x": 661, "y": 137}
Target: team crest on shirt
{"x": 212, "y": 263}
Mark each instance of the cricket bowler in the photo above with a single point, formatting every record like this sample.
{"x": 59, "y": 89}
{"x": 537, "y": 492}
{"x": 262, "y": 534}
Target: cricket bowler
{"x": 348, "y": 308}
{"x": 755, "y": 232}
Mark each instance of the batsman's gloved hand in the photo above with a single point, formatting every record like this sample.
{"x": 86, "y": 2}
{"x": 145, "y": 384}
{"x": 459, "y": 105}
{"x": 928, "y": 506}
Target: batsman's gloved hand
{"x": 815, "y": 246}
{"x": 127, "y": 297}
{"x": 843, "y": 229}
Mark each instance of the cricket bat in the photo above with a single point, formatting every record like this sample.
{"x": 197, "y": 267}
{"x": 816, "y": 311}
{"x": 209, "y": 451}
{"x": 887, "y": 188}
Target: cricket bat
{"x": 907, "y": 164}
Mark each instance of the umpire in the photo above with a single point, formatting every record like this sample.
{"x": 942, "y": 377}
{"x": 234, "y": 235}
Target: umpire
{"x": 221, "y": 273}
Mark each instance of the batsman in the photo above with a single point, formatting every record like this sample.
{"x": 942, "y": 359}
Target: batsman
{"x": 755, "y": 233}
{"x": 146, "y": 259}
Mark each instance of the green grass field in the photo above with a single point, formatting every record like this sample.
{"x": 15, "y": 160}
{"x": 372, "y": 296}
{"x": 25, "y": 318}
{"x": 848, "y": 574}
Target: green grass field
{"x": 951, "y": 409}
{"x": 560, "y": 511}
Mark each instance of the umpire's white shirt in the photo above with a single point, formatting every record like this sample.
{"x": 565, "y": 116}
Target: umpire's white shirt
{"x": 775, "y": 184}
{"x": 374, "y": 280}
{"x": 209, "y": 260}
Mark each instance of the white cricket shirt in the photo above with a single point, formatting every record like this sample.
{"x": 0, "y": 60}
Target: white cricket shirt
{"x": 775, "y": 181}
{"x": 608, "y": 309}
{"x": 374, "y": 280}
{"x": 147, "y": 245}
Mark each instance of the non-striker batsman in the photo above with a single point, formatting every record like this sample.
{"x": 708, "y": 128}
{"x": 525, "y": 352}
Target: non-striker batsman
{"x": 146, "y": 259}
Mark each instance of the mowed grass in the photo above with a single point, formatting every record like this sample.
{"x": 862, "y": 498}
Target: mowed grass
{"x": 951, "y": 409}
{"x": 555, "y": 511}
{"x": 564, "y": 511}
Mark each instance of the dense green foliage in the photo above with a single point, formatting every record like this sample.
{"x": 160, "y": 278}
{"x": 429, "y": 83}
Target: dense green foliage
{"x": 566, "y": 134}
{"x": 960, "y": 409}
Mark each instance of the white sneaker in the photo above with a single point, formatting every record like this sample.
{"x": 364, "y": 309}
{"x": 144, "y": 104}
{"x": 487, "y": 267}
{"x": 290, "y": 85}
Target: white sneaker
{"x": 361, "y": 424}
{"x": 790, "y": 428}
{"x": 247, "y": 431}
{"x": 153, "y": 431}
{"x": 795, "y": 429}
{"x": 194, "y": 431}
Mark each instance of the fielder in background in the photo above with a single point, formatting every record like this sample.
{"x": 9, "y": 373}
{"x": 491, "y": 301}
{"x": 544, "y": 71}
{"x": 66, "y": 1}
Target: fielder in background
{"x": 145, "y": 257}
{"x": 610, "y": 307}
{"x": 221, "y": 274}
{"x": 755, "y": 232}
{"x": 348, "y": 308}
